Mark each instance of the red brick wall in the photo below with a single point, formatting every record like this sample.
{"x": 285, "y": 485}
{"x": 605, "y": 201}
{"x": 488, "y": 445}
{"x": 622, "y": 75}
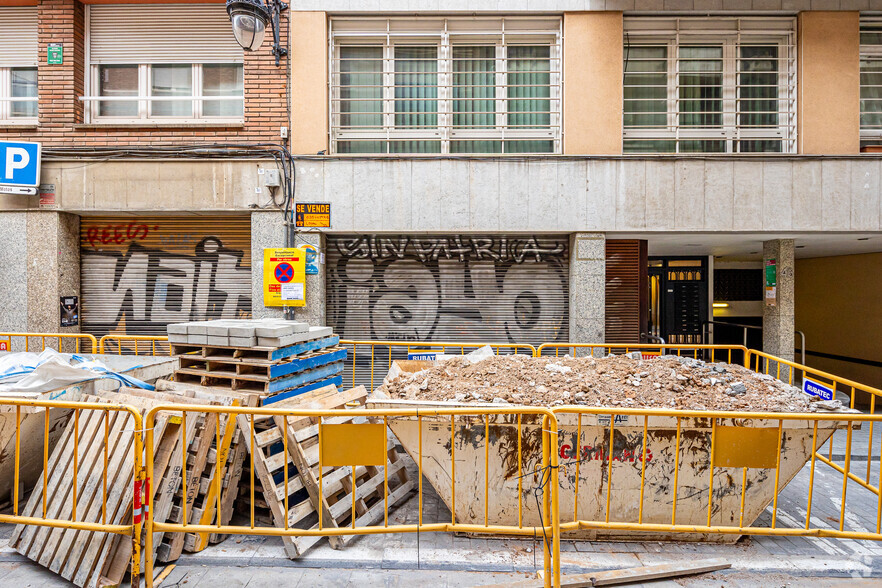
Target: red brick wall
{"x": 61, "y": 113}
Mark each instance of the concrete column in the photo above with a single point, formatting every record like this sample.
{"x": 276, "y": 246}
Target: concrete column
{"x": 778, "y": 318}
{"x": 14, "y": 261}
{"x": 267, "y": 230}
{"x": 40, "y": 255}
{"x": 314, "y": 311}
{"x": 587, "y": 287}
{"x": 53, "y": 257}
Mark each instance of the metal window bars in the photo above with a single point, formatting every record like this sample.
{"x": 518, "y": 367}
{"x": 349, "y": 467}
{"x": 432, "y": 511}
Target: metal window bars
{"x": 700, "y": 85}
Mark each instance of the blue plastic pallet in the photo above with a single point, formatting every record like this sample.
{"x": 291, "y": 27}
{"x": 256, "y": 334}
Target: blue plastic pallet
{"x": 304, "y": 347}
{"x": 306, "y": 363}
{"x": 304, "y": 377}
{"x": 335, "y": 380}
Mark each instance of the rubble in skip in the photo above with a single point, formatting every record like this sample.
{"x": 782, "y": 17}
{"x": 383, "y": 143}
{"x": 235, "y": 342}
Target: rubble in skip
{"x": 629, "y": 381}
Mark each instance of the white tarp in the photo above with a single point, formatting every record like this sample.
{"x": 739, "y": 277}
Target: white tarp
{"x": 29, "y": 373}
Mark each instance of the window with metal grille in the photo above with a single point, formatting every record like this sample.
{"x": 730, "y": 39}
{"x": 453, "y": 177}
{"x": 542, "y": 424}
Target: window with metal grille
{"x": 871, "y": 81}
{"x": 709, "y": 85}
{"x": 445, "y": 85}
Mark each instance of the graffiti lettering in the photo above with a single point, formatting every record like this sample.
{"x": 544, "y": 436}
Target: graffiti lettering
{"x": 118, "y": 234}
{"x": 589, "y": 453}
{"x": 499, "y": 289}
{"x": 454, "y": 247}
{"x": 143, "y": 289}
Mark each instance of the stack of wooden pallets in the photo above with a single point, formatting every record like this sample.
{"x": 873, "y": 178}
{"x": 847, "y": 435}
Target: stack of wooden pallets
{"x": 273, "y": 358}
{"x": 209, "y": 465}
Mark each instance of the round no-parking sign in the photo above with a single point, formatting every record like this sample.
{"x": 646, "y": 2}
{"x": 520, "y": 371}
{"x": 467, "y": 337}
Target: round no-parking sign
{"x": 284, "y": 272}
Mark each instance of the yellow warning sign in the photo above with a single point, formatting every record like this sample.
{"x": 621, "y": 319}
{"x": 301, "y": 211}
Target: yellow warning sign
{"x": 284, "y": 277}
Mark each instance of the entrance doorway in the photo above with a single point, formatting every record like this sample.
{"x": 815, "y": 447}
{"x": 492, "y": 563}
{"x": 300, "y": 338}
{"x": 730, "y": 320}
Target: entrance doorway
{"x": 677, "y": 298}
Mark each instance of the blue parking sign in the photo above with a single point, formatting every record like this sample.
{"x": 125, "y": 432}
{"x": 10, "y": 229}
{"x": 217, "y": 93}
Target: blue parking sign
{"x": 19, "y": 164}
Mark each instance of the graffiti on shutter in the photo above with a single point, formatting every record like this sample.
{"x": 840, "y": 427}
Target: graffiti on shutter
{"x": 449, "y": 288}
{"x": 139, "y": 275}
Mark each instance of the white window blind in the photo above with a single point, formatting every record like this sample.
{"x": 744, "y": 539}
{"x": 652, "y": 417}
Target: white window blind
{"x": 709, "y": 85}
{"x": 445, "y": 85}
{"x": 871, "y": 81}
{"x": 18, "y": 36}
{"x": 161, "y": 33}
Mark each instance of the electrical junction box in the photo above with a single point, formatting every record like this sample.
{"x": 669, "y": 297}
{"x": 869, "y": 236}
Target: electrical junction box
{"x": 271, "y": 178}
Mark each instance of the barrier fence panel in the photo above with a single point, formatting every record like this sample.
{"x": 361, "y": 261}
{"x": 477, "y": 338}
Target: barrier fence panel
{"x": 83, "y": 462}
{"x": 367, "y": 362}
{"x": 843, "y": 449}
{"x": 346, "y": 463}
{"x": 134, "y": 345}
{"x": 708, "y": 475}
{"x": 37, "y": 342}
{"x": 713, "y": 353}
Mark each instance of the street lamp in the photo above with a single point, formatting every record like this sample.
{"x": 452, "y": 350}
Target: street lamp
{"x": 249, "y": 19}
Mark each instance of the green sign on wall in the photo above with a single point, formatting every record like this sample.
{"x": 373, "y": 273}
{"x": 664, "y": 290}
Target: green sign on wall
{"x": 55, "y": 54}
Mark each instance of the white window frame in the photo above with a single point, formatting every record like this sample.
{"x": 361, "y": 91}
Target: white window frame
{"x": 145, "y": 99}
{"x": 731, "y": 34}
{"x": 391, "y": 32}
{"x": 870, "y": 53}
{"x": 6, "y": 98}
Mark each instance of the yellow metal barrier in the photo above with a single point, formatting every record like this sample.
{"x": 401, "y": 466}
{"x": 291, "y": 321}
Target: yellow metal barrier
{"x": 711, "y": 352}
{"x": 85, "y": 495}
{"x": 659, "y": 468}
{"x": 8, "y": 341}
{"x": 389, "y": 351}
{"x": 134, "y": 345}
{"x": 774, "y": 366}
{"x": 353, "y": 448}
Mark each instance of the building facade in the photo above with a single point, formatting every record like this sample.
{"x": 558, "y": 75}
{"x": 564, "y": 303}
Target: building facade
{"x": 514, "y": 171}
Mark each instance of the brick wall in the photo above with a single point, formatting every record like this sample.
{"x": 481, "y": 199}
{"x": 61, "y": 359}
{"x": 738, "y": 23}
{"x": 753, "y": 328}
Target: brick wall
{"x": 61, "y": 113}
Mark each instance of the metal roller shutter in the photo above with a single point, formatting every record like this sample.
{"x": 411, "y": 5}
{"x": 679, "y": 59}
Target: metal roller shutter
{"x": 18, "y": 41}
{"x": 139, "y": 274}
{"x": 469, "y": 288}
{"x": 161, "y": 33}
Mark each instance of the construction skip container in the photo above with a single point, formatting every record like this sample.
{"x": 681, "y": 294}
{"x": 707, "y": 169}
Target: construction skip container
{"x": 664, "y": 480}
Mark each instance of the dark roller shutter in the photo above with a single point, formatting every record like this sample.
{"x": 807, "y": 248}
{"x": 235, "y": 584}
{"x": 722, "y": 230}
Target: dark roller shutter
{"x": 626, "y": 290}
{"x": 469, "y": 288}
{"x": 139, "y": 274}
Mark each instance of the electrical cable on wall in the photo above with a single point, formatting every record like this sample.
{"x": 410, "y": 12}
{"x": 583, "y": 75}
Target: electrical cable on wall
{"x": 279, "y": 153}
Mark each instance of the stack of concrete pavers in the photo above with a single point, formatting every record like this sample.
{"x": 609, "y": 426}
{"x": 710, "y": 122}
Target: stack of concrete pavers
{"x": 273, "y": 357}
{"x": 245, "y": 333}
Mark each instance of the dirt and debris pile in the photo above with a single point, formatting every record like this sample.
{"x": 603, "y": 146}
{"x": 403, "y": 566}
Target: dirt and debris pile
{"x": 623, "y": 380}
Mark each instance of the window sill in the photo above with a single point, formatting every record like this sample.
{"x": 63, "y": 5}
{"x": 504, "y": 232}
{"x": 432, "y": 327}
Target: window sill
{"x": 9, "y": 124}
{"x": 162, "y": 125}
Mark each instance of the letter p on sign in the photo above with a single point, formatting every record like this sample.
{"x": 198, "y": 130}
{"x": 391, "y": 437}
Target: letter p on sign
{"x": 20, "y": 163}
{"x": 16, "y": 158}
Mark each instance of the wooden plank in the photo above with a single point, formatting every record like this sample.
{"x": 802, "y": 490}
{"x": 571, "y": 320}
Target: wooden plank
{"x": 627, "y": 575}
{"x": 114, "y": 553}
{"x": 89, "y": 495}
{"x": 317, "y": 385}
{"x": 119, "y": 459}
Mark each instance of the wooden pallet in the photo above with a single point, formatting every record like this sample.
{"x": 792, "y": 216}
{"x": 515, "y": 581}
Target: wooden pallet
{"x": 305, "y": 498}
{"x": 201, "y": 502}
{"x": 256, "y": 383}
{"x": 266, "y": 353}
{"x": 262, "y": 370}
{"x": 83, "y": 557}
